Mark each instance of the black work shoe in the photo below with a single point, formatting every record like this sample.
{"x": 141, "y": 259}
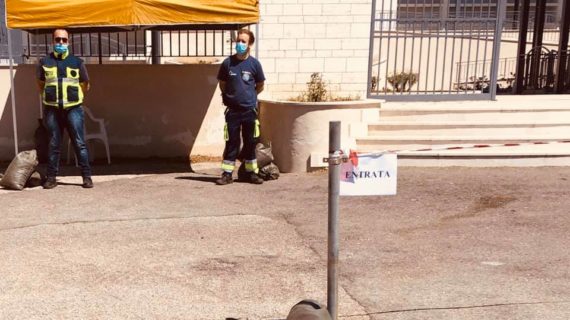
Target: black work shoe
{"x": 225, "y": 179}
{"x": 87, "y": 183}
{"x": 255, "y": 179}
{"x": 50, "y": 183}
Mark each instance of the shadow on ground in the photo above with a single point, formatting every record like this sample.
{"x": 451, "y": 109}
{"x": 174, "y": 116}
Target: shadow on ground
{"x": 207, "y": 178}
{"x": 120, "y": 166}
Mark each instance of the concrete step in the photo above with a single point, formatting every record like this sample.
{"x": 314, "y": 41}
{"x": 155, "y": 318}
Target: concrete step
{"x": 384, "y": 140}
{"x": 503, "y": 104}
{"x": 556, "y": 116}
{"x": 553, "y": 154}
{"x": 538, "y": 127}
{"x": 426, "y": 161}
{"x": 455, "y": 128}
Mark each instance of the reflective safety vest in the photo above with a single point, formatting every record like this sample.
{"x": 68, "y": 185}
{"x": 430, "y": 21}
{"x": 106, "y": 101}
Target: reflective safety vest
{"x": 62, "y": 87}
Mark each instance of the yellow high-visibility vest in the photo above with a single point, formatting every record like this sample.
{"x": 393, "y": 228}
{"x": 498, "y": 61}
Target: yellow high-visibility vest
{"x": 62, "y": 88}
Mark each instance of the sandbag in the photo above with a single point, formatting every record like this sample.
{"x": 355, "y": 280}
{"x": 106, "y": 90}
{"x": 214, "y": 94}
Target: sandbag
{"x": 269, "y": 172}
{"x": 308, "y": 310}
{"x": 20, "y": 170}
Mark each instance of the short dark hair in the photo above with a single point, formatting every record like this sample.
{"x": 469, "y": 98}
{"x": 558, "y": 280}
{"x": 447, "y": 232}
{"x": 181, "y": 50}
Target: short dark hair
{"x": 249, "y": 33}
{"x": 59, "y": 29}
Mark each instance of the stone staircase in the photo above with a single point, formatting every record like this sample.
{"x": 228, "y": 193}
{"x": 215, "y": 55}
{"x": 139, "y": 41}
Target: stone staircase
{"x": 519, "y": 130}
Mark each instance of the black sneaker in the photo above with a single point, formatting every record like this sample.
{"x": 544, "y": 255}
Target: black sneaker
{"x": 225, "y": 179}
{"x": 87, "y": 183}
{"x": 255, "y": 179}
{"x": 50, "y": 183}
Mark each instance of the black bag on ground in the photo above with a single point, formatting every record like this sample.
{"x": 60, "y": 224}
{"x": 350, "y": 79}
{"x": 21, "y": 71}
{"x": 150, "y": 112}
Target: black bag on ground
{"x": 269, "y": 172}
{"x": 263, "y": 155}
{"x": 20, "y": 170}
{"x": 35, "y": 180}
{"x": 308, "y": 310}
{"x": 41, "y": 138}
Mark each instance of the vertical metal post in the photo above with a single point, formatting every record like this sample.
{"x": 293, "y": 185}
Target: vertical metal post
{"x": 559, "y": 82}
{"x": 535, "y": 60}
{"x": 257, "y": 38}
{"x": 334, "y": 186}
{"x": 37, "y": 55}
{"x": 523, "y": 29}
{"x": 155, "y": 46}
{"x": 100, "y": 47}
{"x": 371, "y": 51}
{"x": 501, "y": 9}
{"x": 516, "y": 13}
{"x": 13, "y": 92}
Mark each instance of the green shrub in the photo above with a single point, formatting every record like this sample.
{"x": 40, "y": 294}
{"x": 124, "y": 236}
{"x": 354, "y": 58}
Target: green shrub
{"x": 317, "y": 91}
{"x": 402, "y": 81}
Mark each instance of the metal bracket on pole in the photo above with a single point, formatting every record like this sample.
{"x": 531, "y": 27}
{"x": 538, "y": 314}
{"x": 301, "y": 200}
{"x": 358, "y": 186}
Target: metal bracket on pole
{"x": 336, "y": 158}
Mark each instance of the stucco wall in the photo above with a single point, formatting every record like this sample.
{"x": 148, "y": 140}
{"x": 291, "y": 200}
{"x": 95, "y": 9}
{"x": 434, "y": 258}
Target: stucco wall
{"x": 150, "y": 111}
{"x": 306, "y": 36}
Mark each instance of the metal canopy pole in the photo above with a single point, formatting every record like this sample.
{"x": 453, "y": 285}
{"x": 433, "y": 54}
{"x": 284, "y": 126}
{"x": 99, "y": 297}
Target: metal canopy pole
{"x": 523, "y": 28}
{"x": 334, "y": 161}
{"x": 36, "y": 54}
{"x": 13, "y": 92}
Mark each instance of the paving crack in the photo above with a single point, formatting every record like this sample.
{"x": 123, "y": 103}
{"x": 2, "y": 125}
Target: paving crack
{"x": 295, "y": 228}
{"x": 114, "y": 221}
{"x": 456, "y": 308}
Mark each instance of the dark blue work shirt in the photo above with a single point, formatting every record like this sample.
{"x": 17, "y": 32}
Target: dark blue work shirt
{"x": 240, "y": 77}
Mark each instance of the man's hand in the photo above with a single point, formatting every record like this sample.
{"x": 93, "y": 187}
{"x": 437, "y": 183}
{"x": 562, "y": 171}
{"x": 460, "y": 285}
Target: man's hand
{"x": 222, "y": 86}
{"x": 85, "y": 86}
{"x": 259, "y": 87}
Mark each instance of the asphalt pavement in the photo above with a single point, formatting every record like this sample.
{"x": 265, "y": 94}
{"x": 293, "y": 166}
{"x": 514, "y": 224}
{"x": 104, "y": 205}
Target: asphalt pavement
{"x": 153, "y": 240}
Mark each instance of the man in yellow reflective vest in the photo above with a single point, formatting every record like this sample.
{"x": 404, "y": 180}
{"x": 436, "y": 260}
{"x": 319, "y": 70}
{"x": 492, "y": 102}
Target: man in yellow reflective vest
{"x": 241, "y": 79}
{"x": 62, "y": 80}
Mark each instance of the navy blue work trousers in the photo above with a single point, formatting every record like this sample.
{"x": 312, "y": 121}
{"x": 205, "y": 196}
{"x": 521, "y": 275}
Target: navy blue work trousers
{"x": 240, "y": 120}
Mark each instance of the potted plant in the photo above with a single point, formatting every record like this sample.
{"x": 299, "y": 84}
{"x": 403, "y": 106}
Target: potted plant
{"x": 298, "y": 128}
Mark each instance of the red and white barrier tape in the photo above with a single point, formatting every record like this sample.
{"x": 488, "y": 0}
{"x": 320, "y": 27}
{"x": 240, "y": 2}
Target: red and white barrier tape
{"x": 475, "y": 146}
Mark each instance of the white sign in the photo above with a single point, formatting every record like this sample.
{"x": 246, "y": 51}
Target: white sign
{"x": 369, "y": 175}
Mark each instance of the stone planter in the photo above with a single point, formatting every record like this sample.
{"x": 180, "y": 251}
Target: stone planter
{"x": 298, "y": 129}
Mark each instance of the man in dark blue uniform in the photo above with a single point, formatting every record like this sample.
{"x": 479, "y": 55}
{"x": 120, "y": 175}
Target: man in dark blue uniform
{"x": 62, "y": 80}
{"x": 241, "y": 79}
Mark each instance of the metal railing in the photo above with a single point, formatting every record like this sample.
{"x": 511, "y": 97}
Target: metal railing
{"x": 428, "y": 52}
{"x": 541, "y": 75}
{"x": 133, "y": 45}
{"x": 469, "y": 82}
{"x": 540, "y": 78}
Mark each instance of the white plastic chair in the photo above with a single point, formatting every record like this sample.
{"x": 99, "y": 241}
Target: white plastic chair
{"x": 100, "y": 135}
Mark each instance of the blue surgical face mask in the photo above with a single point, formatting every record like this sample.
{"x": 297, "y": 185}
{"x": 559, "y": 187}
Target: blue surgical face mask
{"x": 60, "y": 48}
{"x": 241, "y": 48}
